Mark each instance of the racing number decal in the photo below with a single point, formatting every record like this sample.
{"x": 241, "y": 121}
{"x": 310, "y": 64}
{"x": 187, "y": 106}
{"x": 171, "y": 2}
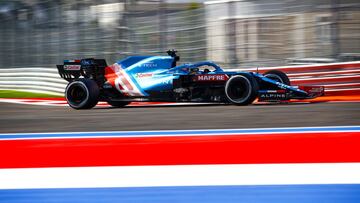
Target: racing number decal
{"x": 123, "y": 82}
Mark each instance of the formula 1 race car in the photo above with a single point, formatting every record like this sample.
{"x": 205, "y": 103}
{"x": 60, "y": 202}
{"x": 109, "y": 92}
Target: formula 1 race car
{"x": 159, "y": 78}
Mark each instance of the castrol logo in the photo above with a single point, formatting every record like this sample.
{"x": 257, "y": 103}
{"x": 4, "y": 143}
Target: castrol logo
{"x": 72, "y": 67}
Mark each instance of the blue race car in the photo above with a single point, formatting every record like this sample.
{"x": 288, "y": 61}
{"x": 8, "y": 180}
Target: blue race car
{"x": 159, "y": 78}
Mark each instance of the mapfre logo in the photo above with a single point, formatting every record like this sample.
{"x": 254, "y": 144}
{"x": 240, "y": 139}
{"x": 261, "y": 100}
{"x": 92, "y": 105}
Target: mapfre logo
{"x": 211, "y": 77}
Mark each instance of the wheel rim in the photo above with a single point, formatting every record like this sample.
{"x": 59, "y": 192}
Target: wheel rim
{"x": 238, "y": 89}
{"x": 76, "y": 94}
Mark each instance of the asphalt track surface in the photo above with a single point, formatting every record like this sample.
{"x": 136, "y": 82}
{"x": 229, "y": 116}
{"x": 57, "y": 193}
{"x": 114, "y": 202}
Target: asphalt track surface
{"x": 30, "y": 118}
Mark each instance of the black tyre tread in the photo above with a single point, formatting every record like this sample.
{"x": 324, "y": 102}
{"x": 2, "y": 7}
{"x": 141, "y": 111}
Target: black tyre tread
{"x": 281, "y": 74}
{"x": 93, "y": 92}
{"x": 118, "y": 104}
{"x": 254, "y": 90}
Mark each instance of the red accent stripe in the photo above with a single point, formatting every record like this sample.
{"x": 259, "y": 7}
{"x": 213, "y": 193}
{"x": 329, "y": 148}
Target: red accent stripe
{"x": 110, "y": 75}
{"x": 125, "y": 81}
{"x": 230, "y": 149}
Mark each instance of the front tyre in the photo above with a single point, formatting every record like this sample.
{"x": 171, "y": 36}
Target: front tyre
{"x": 241, "y": 89}
{"x": 82, "y": 94}
{"x": 278, "y": 76}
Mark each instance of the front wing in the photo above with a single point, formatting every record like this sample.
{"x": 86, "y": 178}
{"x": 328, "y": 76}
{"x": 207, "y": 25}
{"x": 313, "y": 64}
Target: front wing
{"x": 286, "y": 94}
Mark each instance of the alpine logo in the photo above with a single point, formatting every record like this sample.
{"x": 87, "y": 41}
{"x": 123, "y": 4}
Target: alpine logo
{"x": 269, "y": 96}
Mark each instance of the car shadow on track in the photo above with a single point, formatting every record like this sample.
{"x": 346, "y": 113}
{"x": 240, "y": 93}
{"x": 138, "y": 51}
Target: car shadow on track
{"x": 209, "y": 105}
{"x": 159, "y": 106}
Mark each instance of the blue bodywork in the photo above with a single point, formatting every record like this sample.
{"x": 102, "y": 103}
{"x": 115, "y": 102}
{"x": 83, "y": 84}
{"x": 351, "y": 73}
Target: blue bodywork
{"x": 156, "y": 73}
{"x": 149, "y": 73}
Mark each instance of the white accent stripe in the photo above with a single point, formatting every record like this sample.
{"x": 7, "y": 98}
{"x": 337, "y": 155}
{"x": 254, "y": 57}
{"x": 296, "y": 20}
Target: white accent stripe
{"x": 181, "y": 175}
{"x": 135, "y": 91}
{"x": 351, "y": 128}
{"x": 117, "y": 85}
{"x": 118, "y": 81}
{"x": 133, "y": 134}
{"x": 121, "y": 79}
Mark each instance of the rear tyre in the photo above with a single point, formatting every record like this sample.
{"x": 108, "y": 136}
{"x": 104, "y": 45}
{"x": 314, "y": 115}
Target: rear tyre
{"x": 82, "y": 94}
{"x": 278, "y": 76}
{"x": 118, "y": 104}
{"x": 241, "y": 89}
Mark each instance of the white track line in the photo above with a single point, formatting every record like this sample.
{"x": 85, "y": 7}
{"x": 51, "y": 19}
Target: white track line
{"x": 181, "y": 175}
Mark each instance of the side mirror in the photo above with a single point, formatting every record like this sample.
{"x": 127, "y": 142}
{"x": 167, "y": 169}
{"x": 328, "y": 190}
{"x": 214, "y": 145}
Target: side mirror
{"x": 172, "y": 53}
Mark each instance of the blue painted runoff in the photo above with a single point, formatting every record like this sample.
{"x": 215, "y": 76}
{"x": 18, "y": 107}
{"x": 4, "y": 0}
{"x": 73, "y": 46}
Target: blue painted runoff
{"x": 175, "y": 132}
{"x": 195, "y": 194}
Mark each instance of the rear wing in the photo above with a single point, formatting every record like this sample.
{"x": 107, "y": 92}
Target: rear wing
{"x": 86, "y": 68}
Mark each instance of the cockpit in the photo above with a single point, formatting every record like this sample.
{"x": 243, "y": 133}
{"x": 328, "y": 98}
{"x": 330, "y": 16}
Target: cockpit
{"x": 204, "y": 67}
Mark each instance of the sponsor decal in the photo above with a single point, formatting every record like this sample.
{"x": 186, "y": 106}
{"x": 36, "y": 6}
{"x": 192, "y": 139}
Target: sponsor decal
{"x": 143, "y": 75}
{"x": 72, "y": 67}
{"x": 72, "y": 61}
{"x": 166, "y": 82}
{"x": 211, "y": 77}
{"x": 149, "y": 65}
{"x": 272, "y": 96}
{"x": 318, "y": 90}
{"x": 281, "y": 85}
{"x": 272, "y": 91}
{"x": 86, "y": 62}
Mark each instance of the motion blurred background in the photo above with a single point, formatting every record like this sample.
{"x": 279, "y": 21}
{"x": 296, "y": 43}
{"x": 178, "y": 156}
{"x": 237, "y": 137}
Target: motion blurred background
{"x": 234, "y": 33}
{"x": 35, "y": 35}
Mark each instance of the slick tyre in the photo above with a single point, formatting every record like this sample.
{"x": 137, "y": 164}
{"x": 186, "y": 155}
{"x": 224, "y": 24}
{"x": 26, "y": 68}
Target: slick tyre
{"x": 241, "y": 89}
{"x": 118, "y": 104}
{"x": 278, "y": 76}
{"x": 82, "y": 94}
